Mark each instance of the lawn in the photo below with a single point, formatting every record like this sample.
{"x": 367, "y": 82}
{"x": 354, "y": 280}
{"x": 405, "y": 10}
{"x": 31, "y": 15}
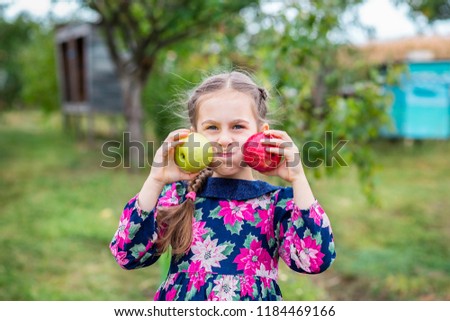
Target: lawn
{"x": 60, "y": 209}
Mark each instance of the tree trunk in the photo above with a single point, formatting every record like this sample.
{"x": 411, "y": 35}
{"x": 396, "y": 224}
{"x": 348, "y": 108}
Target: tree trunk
{"x": 134, "y": 146}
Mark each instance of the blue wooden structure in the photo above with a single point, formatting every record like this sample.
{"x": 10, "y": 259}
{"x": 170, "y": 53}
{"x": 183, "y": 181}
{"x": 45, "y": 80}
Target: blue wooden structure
{"x": 421, "y": 107}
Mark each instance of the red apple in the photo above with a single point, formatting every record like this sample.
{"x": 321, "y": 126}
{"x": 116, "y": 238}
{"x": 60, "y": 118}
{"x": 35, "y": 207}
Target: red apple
{"x": 256, "y": 156}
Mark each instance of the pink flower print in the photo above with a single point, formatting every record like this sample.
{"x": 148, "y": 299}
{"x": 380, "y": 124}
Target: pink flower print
{"x": 247, "y": 282}
{"x": 267, "y": 275}
{"x": 288, "y": 246}
{"x": 213, "y": 297}
{"x": 316, "y": 212}
{"x": 124, "y": 228}
{"x": 225, "y": 287}
{"x": 208, "y": 253}
{"x": 306, "y": 254}
{"x": 113, "y": 248}
{"x": 170, "y": 295}
{"x": 250, "y": 259}
{"x": 296, "y": 213}
{"x": 198, "y": 228}
{"x": 260, "y": 202}
{"x": 233, "y": 211}
{"x": 156, "y": 296}
{"x": 170, "y": 280}
{"x": 266, "y": 224}
{"x": 197, "y": 275}
{"x": 290, "y": 205}
{"x": 170, "y": 198}
{"x": 121, "y": 258}
{"x": 284, "y": 250}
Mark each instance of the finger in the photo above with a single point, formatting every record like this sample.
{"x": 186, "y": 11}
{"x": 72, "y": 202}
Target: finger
{"x": 170, "y": 146}
{"x": 277, "y": 142}
{"x": 188, "y": 176}
{"x": 277, "y": 133}
{"x": 174, "y": 144}
{"x": 167, "y": 146}
{"x": 276, "y": 150}
{"x": 177, "y": 135}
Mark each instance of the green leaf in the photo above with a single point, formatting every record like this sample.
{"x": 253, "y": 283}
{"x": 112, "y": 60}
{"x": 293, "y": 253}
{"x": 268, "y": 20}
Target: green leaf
{"x": 229, "y": 248}
{"x": 198, "y": 214}
{"x": 190, "y": 294}
{"x": 209, "y": 232}
{"x": 236, "y": 228}
{"x": 299, "y": 222}
{"x": 134, "y": 228}
{"x": 331, "y": 247}
{"x": 249, "y": 239}
{"x": 183, "y": 267}
{"x": 214, "y": 213}
{"x": 282, "y": 203}
{"x": 136, "y": 249}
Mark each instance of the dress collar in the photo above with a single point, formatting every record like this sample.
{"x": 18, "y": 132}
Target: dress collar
{"x": 236, "y": 189}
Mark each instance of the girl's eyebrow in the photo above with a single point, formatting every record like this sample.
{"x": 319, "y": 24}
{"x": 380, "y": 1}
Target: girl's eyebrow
{"x": 234, "y": 121}
{"x": 240, "y": 121}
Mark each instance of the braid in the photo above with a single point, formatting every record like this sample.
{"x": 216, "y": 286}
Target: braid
{"x": 175, "y": 223}
{"x": 197, "y": 183}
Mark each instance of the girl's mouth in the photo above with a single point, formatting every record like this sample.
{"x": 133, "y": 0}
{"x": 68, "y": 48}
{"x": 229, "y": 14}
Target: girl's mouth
{"x": 224, "y": 155}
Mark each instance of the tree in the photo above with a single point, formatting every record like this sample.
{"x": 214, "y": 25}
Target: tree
{"x": 323, "y": 85}
{"x": 14, "y": 35}
{"x": 38, "y": 69}
{"x": 137, "y": 31}
{"x": 433, "y": 10}
{"x": 320, "y": 83}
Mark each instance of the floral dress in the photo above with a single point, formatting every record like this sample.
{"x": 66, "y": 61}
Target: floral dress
{"x": 240, "y": 229}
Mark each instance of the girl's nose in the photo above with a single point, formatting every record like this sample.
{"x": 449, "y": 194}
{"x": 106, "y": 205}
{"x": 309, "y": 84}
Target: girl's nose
{"x": 224, "y": 140}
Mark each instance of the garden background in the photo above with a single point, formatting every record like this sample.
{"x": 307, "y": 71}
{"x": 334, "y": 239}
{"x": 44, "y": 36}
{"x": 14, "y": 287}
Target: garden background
{"x": 60, "y": 207}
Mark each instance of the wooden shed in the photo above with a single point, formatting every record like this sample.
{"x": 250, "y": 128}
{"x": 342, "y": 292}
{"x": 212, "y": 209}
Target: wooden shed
{"x": 87, "y": 76}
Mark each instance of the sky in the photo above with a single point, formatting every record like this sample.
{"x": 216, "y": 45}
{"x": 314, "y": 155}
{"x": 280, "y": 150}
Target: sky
{"x": 389, "y": 22}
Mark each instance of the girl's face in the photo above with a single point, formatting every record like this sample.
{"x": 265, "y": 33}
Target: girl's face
{"x": 228, "y": 118}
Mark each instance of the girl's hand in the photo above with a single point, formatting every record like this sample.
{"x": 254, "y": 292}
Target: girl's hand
{"x": 290, "y": 169}
{"x": 164, "y": 169}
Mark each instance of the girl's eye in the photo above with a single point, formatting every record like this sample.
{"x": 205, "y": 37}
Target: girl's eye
{"x": 211, "y": 127}
{"x": 238, "y": 127}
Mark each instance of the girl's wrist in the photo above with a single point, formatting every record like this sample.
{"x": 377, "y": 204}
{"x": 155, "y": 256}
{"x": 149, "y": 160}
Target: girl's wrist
{"x": 303, "y": 195}
{"x": 149, "y": 193}
{"x": 152, "y": 181}
{"x": 300, "y": 178}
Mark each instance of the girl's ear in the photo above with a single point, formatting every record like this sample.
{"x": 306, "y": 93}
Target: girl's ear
{"x": 192, "y": 129}
{"x": 264, "y": 127}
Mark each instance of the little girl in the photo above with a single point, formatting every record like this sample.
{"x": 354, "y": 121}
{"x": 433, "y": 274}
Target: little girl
{"x": 225, "y": 229}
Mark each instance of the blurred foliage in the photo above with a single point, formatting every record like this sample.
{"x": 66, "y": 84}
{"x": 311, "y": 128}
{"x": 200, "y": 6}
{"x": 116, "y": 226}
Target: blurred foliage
{"x": 14, "y": 35}
{"x": 326, "y": 96}
{"x": 433, "y": 10}
{"x": 38, "y": 69}
{"x": 327, "y": 93}
{"x": 27, "y": 64}
{"x": 137, "y": 32}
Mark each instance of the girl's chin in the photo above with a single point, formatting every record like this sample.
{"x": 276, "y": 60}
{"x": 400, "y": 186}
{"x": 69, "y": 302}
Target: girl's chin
{"x": 233, "y": 172}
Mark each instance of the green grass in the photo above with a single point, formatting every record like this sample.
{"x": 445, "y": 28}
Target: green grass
{"x": 60, "y": 210}
{"x": 399, "y": 249}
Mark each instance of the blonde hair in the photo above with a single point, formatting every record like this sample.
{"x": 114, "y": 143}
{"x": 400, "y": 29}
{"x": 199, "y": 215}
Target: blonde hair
{"x": 175, "y": 223}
